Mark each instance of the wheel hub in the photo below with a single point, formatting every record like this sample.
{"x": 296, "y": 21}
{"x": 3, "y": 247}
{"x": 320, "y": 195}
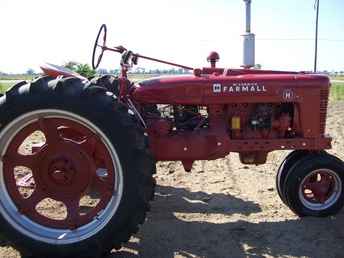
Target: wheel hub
{"x": 61, "y": 172}
{"x": 65, "y": 170}
{"x": 320, "y": 189}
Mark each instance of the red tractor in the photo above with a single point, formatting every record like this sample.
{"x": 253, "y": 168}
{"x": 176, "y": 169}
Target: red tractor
{"x": 91, "y": 146}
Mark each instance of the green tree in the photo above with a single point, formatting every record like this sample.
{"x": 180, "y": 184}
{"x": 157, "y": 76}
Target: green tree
{"x": 82, "y": 69}
{"x": 85, "y": 70}
{"x": 258, "y": 66}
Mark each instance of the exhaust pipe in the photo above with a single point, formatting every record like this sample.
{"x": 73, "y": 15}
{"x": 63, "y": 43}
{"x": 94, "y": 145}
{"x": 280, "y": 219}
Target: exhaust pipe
{"x": 248, "y": 40}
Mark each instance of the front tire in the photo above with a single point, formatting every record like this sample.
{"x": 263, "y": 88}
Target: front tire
{"x": 314, "y": 186}
{"x": 284, "y": 168}
{"x": 92, "y": 145}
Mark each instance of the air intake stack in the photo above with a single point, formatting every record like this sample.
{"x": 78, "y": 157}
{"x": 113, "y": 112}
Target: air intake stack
{"x": 248, "y": 40}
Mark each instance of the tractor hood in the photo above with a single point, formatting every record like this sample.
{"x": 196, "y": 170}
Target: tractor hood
{"x": 221, "y": 87}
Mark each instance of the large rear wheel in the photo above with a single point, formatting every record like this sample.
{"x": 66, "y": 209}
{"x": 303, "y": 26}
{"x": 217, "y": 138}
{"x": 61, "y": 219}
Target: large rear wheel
{"x": 76, "y": 172}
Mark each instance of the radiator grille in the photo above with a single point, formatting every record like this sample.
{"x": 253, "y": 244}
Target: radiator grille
{"x": 323, "y": 109}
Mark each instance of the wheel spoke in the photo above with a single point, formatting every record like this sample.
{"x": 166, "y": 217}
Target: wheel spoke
{"x": 16, "y": 159}
{"x": 325, "y": 188}
{"x": 73, "y": 212}
{"x": 309, "y": 186}
{"x": 37, "y": 196}
{"x": 102, "y": 186}
{"x": 27, "y": 160}
{"x": 49, "y": 128}
{"x": 320, "y": 189}
{"x": 89, "y": 145}
{"x": 67, "y": 133}
{"x": 29, "y": 205}
{"x": 325, "y": 179}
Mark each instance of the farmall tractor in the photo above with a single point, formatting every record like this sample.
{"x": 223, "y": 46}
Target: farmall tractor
{"x": 91, "y": 146}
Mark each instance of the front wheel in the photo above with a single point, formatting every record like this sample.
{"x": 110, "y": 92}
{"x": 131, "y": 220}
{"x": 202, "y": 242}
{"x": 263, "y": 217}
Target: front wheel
{"x": 68, "y": 183}
{"x": 314, "y": 186}
{"x": 284, "y": 168}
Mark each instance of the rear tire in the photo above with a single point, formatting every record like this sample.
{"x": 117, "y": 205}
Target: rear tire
{"x": 94, "y": 108}
{"x": 109, "y": 82}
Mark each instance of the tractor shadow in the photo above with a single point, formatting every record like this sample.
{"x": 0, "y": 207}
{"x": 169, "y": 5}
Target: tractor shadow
{"x": 168, "y": 233}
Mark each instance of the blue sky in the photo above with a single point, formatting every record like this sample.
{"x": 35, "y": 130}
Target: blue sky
{"x": 184, "y": 31}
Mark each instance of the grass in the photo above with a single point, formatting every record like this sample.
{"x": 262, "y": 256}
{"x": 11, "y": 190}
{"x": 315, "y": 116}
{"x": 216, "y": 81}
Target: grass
{"x": 16, "y": 77}
{"x": 337, "y": 92}
{"x": 340, "y": 78}
{"x": 141, "y": 77}
{"x": 4, "y": 86}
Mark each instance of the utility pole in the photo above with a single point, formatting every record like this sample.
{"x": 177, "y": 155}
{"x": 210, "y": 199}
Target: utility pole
{"x": 316, "y": 5}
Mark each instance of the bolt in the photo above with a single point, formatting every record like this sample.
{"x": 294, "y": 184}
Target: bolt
{"x": 185, "y": 148}
{"x": 219, "y": 144}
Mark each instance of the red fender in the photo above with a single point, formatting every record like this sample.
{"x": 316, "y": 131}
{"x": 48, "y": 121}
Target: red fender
{"x": 56, "y": 70}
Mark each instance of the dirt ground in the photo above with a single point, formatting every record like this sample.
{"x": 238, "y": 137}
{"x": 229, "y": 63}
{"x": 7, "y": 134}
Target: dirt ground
{"x": 223, "y": 209}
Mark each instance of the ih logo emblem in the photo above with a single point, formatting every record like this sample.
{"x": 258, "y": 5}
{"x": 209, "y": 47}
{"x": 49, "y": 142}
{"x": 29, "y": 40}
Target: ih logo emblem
{"x": 288, "y": 94}
{"x": 216, "y": 87}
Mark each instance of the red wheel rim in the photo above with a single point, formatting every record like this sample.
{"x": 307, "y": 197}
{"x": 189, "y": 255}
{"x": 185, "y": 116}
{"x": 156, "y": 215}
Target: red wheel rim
{"x": 64, "y": 168}
{"x": 320, "y": 189}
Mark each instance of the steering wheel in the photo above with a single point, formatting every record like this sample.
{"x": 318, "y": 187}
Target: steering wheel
{"x": 98, "y": 49}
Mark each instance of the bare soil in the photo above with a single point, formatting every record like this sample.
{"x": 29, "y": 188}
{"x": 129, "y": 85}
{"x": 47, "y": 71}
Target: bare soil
{"x": 226, "y": 209}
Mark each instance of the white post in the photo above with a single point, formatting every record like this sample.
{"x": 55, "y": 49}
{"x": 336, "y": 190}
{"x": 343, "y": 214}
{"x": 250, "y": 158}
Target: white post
{"x": 248, "y": 15}
{"x": 316, "y": 35}
{"x": 248, "y": 40}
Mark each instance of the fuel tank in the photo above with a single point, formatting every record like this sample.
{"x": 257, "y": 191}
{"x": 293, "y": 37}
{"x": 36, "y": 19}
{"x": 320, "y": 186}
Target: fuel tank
{"x": 223, "y": 86}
